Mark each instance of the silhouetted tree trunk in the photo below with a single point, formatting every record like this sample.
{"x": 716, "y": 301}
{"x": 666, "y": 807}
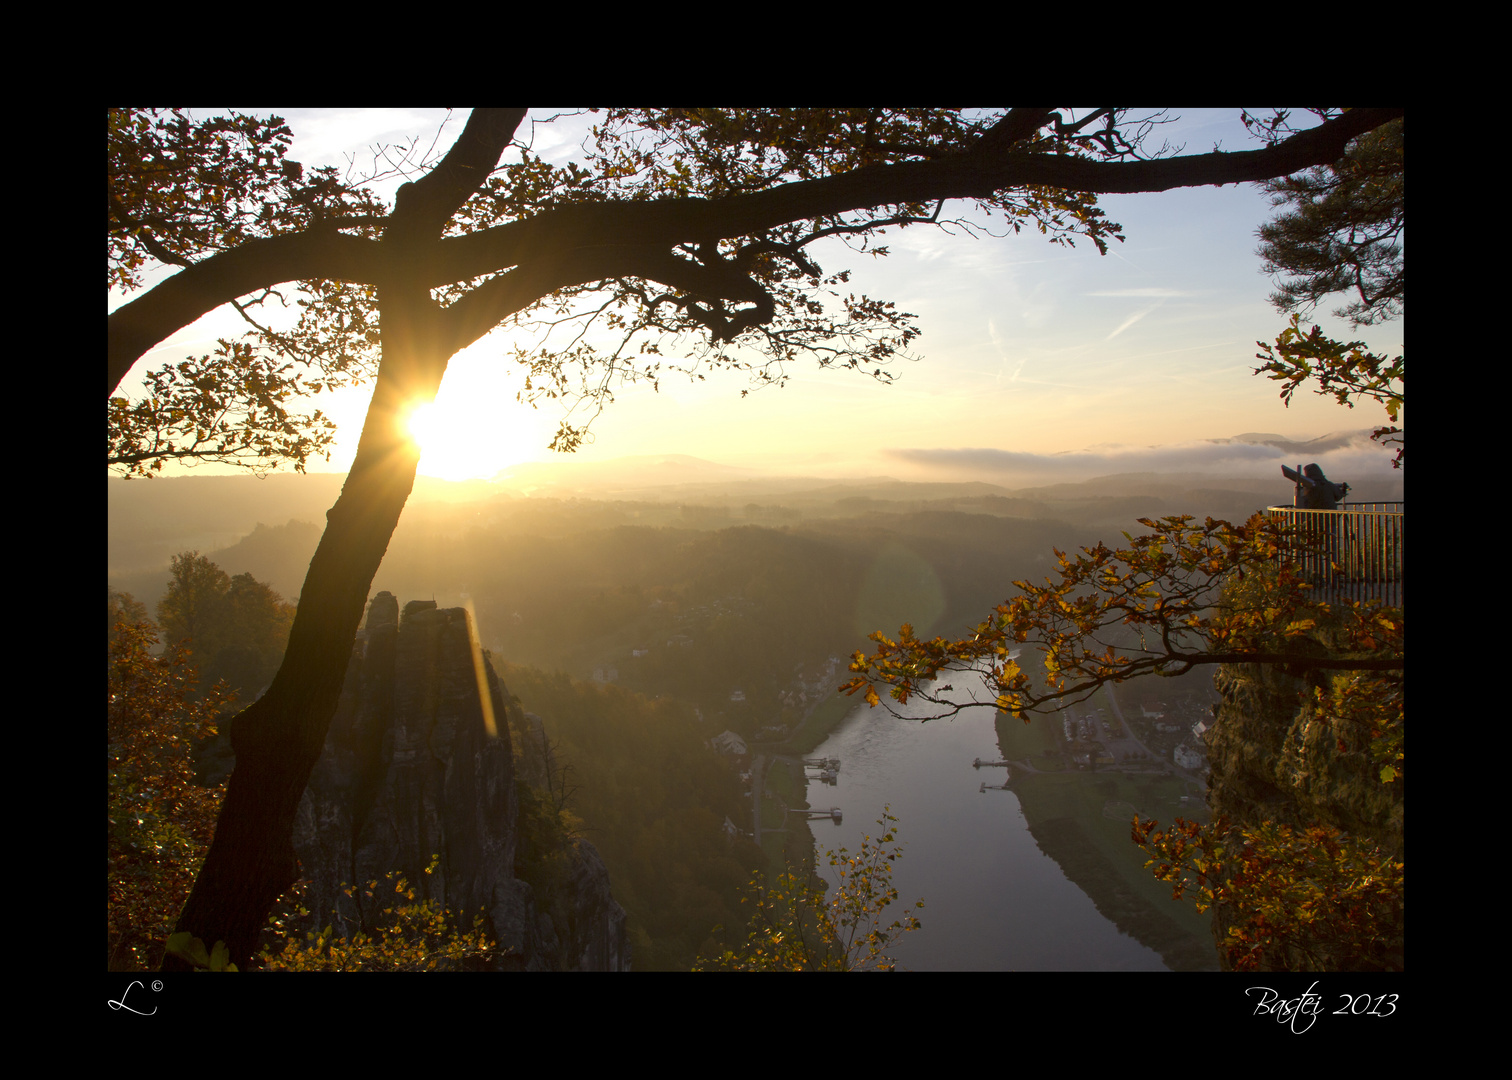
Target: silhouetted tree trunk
{"x": 279, "y": 738}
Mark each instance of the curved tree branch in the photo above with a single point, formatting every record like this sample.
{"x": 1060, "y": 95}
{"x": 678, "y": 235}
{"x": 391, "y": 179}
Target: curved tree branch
{"x": 423, "y": 207}
{"x": 620, "y": 233}
{"x": 197, "y": 290}
{"x": 1182, "y": 584}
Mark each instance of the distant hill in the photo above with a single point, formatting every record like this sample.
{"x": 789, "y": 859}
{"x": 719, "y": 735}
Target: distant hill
{"x": 150, "y": 521}
{"x": 269, "y": 527}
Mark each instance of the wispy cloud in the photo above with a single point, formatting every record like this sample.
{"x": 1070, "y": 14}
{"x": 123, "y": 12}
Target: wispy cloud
{"x": 1002, "y": 348}
{"x": 1130, "y": 321}
{"x": 1159, "y": 295}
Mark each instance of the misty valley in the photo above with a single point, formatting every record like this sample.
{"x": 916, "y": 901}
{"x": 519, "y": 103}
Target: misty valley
{"x": 668, "y": 659}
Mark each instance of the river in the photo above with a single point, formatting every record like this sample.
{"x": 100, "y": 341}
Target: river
{"x": 993, "y": 901}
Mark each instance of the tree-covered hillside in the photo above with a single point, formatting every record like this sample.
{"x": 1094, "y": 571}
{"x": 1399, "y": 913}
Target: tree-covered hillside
{"x": 654, "y": 799}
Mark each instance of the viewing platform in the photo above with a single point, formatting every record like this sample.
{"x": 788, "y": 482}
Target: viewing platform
{"x": 1352, "y": 553}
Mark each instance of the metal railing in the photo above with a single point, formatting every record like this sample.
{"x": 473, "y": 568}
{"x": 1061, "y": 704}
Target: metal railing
{"x": 1353, "y": 553}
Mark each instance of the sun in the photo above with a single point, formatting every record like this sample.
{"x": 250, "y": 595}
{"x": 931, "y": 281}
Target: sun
{"x": 471, "y": 439}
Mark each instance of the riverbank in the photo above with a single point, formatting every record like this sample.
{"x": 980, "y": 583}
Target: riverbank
{"x": 817, "y": 725}
{"x": 1081, "y": 819}
{"x": 784, "y": 786}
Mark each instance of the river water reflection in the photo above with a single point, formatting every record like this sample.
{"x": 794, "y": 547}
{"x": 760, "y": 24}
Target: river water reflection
{"x": 992, "y": 900}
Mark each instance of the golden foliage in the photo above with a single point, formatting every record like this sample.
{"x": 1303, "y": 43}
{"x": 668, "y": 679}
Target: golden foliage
{"x": 410, "y": 935}
{"x": 1291, "y": 899}
{"x": 794, "y": 927}
{"x": 160, "y": 820}
{"x": 1162, "y": 605}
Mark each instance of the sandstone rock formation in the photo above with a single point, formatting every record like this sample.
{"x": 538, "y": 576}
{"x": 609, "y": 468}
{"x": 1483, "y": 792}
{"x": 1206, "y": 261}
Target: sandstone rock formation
{"x": 1272, "y": 760}
{"x": 410, "y": 771}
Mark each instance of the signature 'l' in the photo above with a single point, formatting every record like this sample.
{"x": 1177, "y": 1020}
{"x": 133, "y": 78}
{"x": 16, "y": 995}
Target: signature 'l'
{"x": 118, "y": 1005}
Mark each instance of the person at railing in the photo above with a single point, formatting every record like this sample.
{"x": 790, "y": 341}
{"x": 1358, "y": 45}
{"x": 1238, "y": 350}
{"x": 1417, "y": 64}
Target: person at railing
{"x": 1314, "y": 491}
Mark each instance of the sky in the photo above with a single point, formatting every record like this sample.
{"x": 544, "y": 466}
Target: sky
{"x": 1031, "y": 353}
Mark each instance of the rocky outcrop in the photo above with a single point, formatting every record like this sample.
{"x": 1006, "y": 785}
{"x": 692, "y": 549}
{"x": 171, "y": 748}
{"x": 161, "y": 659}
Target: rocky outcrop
{"x": 1272, "y": 760}
{"x": 411, "y": 771}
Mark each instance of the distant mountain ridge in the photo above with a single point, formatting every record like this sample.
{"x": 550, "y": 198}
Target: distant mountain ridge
{"x": 148, "y": 521}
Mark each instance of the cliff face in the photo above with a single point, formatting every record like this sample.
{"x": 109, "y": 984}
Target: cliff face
{"x": 410, "y": 770}
{"x": 1271, "y": 760}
